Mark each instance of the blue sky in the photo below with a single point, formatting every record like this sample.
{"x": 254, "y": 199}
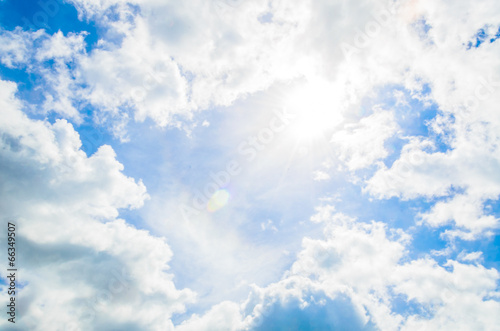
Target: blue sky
{"x": 238, "y": 165}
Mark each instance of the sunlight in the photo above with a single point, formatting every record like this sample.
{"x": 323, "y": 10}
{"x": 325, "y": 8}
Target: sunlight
{"x": 317, "y": 107}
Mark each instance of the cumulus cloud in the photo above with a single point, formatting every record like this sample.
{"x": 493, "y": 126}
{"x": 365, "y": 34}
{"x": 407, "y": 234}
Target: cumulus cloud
{"x": 49, "y": 58}
{"x": 360, "y": 145}
{"x": 169, "y": 61}
{"x": 65, "y": 207}
{"x": 419, "y": 172}
{"x": 15, "y": 46}
{"x": 320, "y": 175}
{"x": 166, "y": 61}
{"x": 463, "y": 90}
{"x": 353, "y": 277}
{"x": 368, "y": 262}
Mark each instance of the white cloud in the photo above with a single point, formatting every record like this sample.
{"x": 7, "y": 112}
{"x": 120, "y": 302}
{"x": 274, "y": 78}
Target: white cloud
{"x": 59, "y": 46}
{"x": 470, "y": 257}
{"x": 223, "y": 316}
{"x": 167, "y": 61}
{"x": 268, "y": 225}
{"x": 65, "y": 206}
{"x": 357, "y": 270}
{"x": 420, "y": 173}
{"x": 320, "y": 175}
{"x": 466, "y": 212}
{"x": 15, "y": 46}
{"x": 360, "y": 145}
{"x": 368, "y": 261}
{"x": 463, "y": 86}
{"x": 32, "y": 50}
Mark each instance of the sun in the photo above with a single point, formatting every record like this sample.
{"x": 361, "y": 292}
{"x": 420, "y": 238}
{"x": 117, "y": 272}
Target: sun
{"x": 317, "y": 108}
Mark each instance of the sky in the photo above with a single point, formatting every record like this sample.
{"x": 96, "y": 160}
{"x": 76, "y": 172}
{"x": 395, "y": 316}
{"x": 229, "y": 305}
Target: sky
{"x": 251, "y": 164}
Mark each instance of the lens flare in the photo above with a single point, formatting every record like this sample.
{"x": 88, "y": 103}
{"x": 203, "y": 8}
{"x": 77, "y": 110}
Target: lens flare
{"x": 218, "y": 200}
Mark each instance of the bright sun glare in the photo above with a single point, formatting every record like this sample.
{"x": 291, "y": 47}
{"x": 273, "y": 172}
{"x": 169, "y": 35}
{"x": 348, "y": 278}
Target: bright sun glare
{"x": 317, "y": 109}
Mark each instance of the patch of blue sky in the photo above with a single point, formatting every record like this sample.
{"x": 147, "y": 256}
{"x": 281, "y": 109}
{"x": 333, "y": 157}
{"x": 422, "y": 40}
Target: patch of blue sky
{"x": 51, "y": 15}
{"x": 169, "y": 155}
{"x": 412, "y": 115}
{"x": 489, "y": 246}
{"x": 404, "y": 307}
{"x": 491, "y": 250}
{"x": 482, "y": 37}
{"x": 188, "y": 75}
{"x": 151, "y": 154}
{"x": 395, "y": 212}
{"x": 178, "y": 318}
{"x": 426, "y": 239}
{"x": 207, "y": 150}
{"x": 167, "y": 160}
{"x": 26, "y": 84}
{"x": 398, "y": 214}
{"x": 496, "y": 36}
{"x": 322, "y": 314}
{"x": 114, "y": 14}
{"x": 492, "y": 207}
{"x": 404, "y": 215}
{"x": 266, "y": 18}
{"x": 425, "y": 27}
{"x": 283, "y": 223}
{"x": 393, "y": 145}
{"x": 93, "y": 136}
{"x": 422, "y": 28}
{"x": 31, "y": 88}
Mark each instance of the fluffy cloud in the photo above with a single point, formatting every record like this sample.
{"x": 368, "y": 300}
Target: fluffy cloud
{"x": 360, "y": 145}
{"x": 469, "y": 167}
{"x": 49, "y": 58}
{"x": 65, "y": 206}
{"x": 166, "y": 62}
{"x": 368, "y": 263}
{"x": 139, "y": 74}
{"x": 175, "y": 58}
{"x": 15, "y": 47}
{"x": 468, "y": 214}
{"x": 354, "y": 277}
{"x": 223, "y": 316}
{"x": 463, "y": 82}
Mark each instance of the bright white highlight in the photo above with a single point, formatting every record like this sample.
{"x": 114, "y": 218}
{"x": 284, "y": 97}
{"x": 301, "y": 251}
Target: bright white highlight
{"x": 316, "y": 104}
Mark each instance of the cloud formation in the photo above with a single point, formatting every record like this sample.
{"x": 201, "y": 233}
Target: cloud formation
{"x": 65, "y": 205}
{"x": 396, "y": 107}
